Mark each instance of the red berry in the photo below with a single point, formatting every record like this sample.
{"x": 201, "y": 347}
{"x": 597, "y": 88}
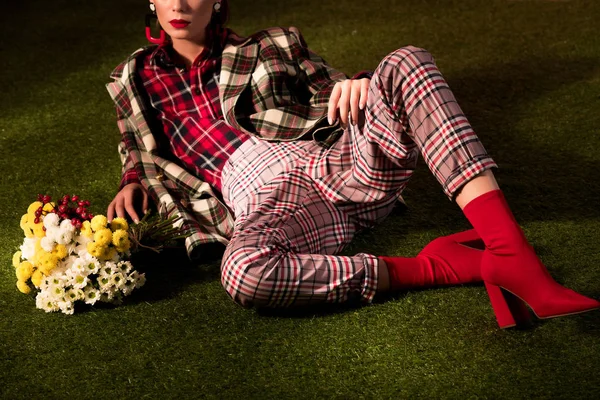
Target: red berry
{"x": 81, "y": 203}
{"x": 74, "y": 198}
{"x": 84, "y": 215}
{"x": 90, "y": 216}
{"x": 37, "y": 213}
{"x": 78, "y": 210}
{"x": 46, "y": 199}
{"x": 87, "y": 203}
{"x": 36, "y": 220}
{"x": 44, "y": 228}
{"x": 40, "y": 197}
{"x": 62, "y": 208}
{"x": 78, "y": 226}
{"x": 74, "y": 222}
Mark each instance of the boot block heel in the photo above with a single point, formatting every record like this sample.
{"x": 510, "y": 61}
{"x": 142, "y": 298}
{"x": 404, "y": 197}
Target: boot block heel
{"x": 510, "y": 311}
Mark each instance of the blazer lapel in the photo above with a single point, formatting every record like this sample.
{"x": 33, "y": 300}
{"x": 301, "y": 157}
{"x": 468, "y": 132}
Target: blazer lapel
{"x": 239, "y": 59}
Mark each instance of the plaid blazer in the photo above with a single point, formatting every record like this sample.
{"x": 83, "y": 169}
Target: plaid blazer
{"x": 270, "y": 85}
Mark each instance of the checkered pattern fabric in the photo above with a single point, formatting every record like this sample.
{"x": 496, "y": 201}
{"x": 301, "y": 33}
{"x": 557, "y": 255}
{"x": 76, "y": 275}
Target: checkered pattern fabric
{"x": 297, "y": 205}
{"x": 188, "y": 107}
{"x": 270, "y": 86}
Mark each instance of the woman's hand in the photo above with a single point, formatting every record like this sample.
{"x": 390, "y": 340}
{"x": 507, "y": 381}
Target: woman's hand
{"x": 347, "y": 97}
{"x": 127, "y": 200}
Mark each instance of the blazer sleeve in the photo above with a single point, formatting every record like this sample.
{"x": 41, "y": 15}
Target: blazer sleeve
{"x": 128, "y": 172}
{"x": 318, "y": 76}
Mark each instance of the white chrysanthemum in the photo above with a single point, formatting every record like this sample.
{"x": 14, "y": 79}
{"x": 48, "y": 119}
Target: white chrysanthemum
{"x": 45, "y": 302}
{"x": 92, "y": 295}
{"x": 65, "y": 237}
{"x": 92, "y": 266}
{"x": 108, "y": 269}
{"x": 128, "y": 287}
{"x": 52, "y": 232}
{"x": 71, "y": 247}
{"x": 118, "y": 279}
{"x": 51, "y": 220}
{"x": 74, "y": 294}
{"x": 77, "y": 267}
{"x": 137, "y": 278}
{"x": 28, "y": 248}
{"x": 79, "y": 280}
{"x": 125, "y": 267}
{"x": 67, "y": 226}
{"x": 105, "y": 283}
{"x": 60, "y": 271}
{"x": 56, "y": 292}
{"x": 47, "y": 243}
{"x": 66, "y": 306}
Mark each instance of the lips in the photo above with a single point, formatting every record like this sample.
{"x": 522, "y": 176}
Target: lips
{"x": 179, "y": 23}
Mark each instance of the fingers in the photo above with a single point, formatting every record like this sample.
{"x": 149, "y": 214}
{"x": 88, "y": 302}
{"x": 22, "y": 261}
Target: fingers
{"x": 124, "y": 203}
{"x": 344, "y": 102}
{"x": 364, "y": 92}
{"x": 110, "y": 212}
{"x": 130, "y": 208}
{"x": 347, "y": 99}
{"x": 144, "y": 202}
{"x": 354, "y": 102}
{"x": 333, "y": 102}
{"x": 119, "y": 206}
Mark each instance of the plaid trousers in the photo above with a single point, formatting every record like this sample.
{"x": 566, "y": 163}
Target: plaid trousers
{"x": 297, "y": 204}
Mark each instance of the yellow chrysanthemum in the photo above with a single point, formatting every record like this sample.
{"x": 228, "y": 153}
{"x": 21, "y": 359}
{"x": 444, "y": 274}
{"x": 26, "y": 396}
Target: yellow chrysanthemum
{"x": 33, "y": 207}
{"x": 121, "y": 239}
{"x": 24, "y": 221}
{"x": 103, "y": 237}
{"x": 16, "y": 259}
{"x": 38, "y": 255}
{"x": 38, "y": 245}
{"x": 95, "y": 250}
{"x": 86, "y": 229}
{"x": 26, "y": 226}
{"x": 49, "y": 207}
{"x": 38, "y": 230}
{"x": 24, "y": 271}
{"x": 48, "y": 262}
{"x": 99, "y": 222}
{"x": 37, "y": 277}
{"x": 60, "y": 251}
{"x": 108, "y": 254}
{"x": 119, "y": 223}
{"x": 23, "y": 287}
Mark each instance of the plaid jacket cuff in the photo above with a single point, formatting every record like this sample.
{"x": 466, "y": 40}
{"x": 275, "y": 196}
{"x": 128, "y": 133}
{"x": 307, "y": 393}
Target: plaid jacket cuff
{"x": 128, "y": 177}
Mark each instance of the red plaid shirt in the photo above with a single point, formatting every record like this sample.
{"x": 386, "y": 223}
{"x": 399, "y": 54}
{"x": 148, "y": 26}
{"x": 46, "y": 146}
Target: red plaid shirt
{"x": 187, "y": 105}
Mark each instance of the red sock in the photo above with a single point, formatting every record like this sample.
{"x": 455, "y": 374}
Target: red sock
{"x": 445, "y": 261}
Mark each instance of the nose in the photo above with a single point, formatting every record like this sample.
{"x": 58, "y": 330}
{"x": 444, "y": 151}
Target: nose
{"x": 177, "y": 5}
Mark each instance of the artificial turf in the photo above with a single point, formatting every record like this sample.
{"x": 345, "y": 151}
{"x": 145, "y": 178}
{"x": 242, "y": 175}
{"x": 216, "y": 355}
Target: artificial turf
{"x": 527, "y": 74}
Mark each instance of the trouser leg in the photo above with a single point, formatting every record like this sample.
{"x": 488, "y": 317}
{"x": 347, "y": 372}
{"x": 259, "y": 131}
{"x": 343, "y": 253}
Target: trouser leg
{"x": 410, "y": 111}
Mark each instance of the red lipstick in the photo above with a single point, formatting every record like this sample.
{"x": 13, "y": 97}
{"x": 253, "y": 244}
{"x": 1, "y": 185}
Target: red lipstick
{"x": 179, "y": 23}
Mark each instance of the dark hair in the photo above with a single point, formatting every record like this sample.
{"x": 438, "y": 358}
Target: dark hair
{"x": 223, "y": 15}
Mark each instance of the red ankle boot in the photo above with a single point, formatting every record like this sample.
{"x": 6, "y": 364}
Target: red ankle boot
{"x": 448, "y": 260}
{"x": 510, "y": 267}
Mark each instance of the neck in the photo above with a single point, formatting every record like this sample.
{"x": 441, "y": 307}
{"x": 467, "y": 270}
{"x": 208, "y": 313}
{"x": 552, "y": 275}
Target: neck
{"x": 187, "y": 50}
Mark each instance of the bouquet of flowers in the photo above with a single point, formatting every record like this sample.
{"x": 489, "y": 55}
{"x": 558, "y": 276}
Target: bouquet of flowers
{"x": 69, "y": 255}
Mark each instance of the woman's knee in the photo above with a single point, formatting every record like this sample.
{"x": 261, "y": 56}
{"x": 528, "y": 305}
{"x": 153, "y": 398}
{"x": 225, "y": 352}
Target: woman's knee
{"x": 243, "y": 273}
{"x": 402, "y": 62}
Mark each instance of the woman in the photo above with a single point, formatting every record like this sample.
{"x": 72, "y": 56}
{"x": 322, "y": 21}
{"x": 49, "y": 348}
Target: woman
{"x": 258, "y": 144}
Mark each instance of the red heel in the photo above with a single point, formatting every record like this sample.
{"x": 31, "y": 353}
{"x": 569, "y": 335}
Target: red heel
{"x": 509, "y": 309}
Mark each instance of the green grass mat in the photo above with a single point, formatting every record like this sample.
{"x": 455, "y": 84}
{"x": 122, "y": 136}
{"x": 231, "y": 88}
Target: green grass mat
{"x": 527, "y": 74}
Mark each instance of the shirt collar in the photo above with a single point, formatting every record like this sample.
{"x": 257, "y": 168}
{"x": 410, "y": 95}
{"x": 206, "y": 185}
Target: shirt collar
{"x": 163, "y": 55}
